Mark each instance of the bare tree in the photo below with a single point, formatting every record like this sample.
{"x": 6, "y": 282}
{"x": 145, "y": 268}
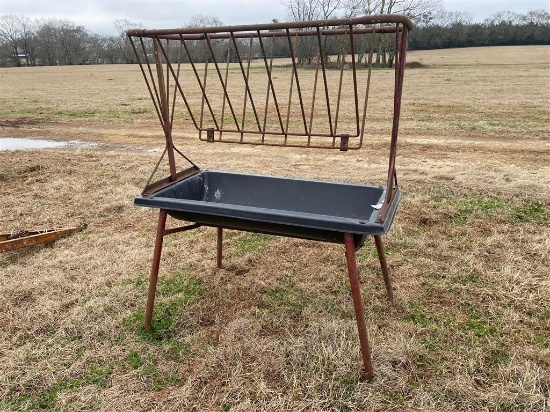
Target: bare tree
{"x": 197, "y": 49}
{"x": 505, "y": 17}
{"x": 123, "y": 48}
{"x": 306, "y": 10}
{"x": 537, "y": 17}
{"x": 302, "y": 10}
{"x": 18, "y": 33}
{"x": 415, "y": 9}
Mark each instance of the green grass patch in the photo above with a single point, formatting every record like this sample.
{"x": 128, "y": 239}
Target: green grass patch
{"x": 531, "y": 211}
{"x": 134, "y": 359}
{"x": 287, "y": 299}
{"x": 349, "y": 384}
{"x": 253, "y": 242}
{"x": 99, "y": 376}
{"x": 174, "y": 293}
{"x": 159, "y": 379}
{"x": 47, "y": 399}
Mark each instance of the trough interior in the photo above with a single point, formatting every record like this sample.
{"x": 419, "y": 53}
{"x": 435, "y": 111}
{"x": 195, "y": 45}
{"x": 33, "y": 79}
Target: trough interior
{"x": 285, "y": 194}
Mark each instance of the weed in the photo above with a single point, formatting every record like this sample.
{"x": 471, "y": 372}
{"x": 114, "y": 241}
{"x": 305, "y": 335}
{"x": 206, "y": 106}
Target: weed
{"x": 99, "y": 376}
{"x": 467, "y": 207}
{"x": 251, "y": 242}
{"x": 159, "y": 380}
{"x": 349, "y": 384}
{"x": 417, "y": 315}
{"x": 533, "y": 211}
{"x": 287, "y": 299}
{"x": 499, "y": 356}
{"x": 134, "y": 359}
{"x": 186, "y": 289}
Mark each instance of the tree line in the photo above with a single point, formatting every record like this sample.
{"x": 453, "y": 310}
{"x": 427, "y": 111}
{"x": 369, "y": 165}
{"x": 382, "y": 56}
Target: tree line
{"x": 31, "y": 42}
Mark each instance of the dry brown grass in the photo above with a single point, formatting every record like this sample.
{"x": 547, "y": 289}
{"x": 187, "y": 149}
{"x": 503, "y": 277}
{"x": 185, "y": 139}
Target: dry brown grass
{"x": 274, "y": 330}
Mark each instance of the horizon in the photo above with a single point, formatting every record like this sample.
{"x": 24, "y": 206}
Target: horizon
{"x": 98, "y": 16}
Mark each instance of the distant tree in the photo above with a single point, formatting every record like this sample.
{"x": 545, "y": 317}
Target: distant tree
{"x": 537, "y": 18}
{"x": 446, "y": 18}
{"x": 306, "y": 10}
{"x": 504, "y": 17}
{"x": 120, "y": 44}
{"x": 18, "y": 37}
{"x": 415, "y": 9}
{"x": 197, "y": 49}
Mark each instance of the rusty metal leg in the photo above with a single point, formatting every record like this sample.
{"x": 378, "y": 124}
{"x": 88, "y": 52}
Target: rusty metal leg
{"x": 384, "y": 265}
{"x": 358, "y": 306}
{"x": 219, "y": 248}
{"x": 155, "y": 271}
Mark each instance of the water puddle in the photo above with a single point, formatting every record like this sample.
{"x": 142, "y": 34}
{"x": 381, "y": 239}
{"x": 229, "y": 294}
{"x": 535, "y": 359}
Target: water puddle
{"x": 11, "y": 144}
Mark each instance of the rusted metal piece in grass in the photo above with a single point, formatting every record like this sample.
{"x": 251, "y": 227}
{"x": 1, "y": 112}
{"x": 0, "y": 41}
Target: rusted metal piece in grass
{"x": 23, "y": 239}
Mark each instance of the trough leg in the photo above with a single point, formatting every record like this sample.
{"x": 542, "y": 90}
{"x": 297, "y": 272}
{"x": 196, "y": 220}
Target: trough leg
{"x": 358, "y": 306}
{"x": 219, "y": 248}
{"x": 155, "y": 271}
{"x": 384, "y": 265}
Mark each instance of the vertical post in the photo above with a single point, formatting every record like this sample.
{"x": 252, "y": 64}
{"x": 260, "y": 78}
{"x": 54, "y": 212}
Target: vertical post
{"x": 219, "y": 248}
{"x": 358, "y": 306}
{"x": 155, "y": 271}
{"x": 165, "y": 109}
{"x": 384, "y": 266}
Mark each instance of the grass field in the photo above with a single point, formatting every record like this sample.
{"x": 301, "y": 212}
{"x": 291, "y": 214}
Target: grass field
{"x": 275, "y": 330}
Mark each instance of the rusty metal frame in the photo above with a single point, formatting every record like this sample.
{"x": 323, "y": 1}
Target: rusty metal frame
{"x": 19, "y": 240}
{"x": 158, "y": 83}
{"x": 162, "y": 70}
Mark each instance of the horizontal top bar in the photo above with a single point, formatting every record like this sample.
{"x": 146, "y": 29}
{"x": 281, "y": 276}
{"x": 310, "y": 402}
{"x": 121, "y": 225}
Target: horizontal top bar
{"x": 269, "y": 34}
{"x": 373, "y": 19}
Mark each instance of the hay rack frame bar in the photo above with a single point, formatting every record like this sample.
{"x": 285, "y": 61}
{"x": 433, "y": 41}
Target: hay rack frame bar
{"x": 228, "y": 84}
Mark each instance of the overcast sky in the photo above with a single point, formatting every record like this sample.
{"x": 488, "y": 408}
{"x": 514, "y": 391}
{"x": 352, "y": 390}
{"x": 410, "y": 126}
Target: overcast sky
{"x": 98, "y": 15}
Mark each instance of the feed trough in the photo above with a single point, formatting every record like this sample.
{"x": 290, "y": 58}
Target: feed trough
{"x": 296, "y": 84}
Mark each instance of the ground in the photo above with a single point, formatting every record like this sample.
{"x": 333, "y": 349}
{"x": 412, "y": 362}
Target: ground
{"x": 274, "y": 329}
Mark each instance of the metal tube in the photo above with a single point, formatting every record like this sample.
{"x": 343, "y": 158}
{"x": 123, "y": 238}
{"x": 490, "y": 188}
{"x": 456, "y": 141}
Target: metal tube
{"x": 246, "y": 35}
{"x": 202, "y": 87}
{"x": 219, "y": 248}
{"x": 373, "y": 19}
{"x": 293, "y": 53}
{"x": 209, "y": 44}
{"x": 354, "y": 71}
{"x": 313, "y": 97}
{"x": 165, "y": 108}
{"x": 225, "y": 85}
{"x": 384, "y": 266}
{"x": 401, "y": 49}
{"x": 155, "y": 271}
{"x": 358, "y": 306}
{"x": 247, "y": 92}
{"x": 145, "y": 76}
{"x": 325, "y": 81}
{"x": 342, "y": 64}
{"x": 268, "y": 69}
